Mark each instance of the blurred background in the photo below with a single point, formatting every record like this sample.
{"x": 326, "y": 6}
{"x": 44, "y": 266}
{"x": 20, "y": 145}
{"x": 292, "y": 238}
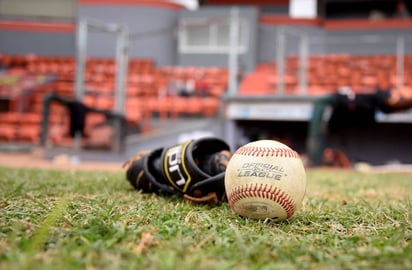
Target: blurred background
{"x": 159, "y": 72}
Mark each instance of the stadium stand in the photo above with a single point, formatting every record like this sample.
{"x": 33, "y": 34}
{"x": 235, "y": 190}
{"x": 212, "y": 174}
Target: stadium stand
{"x": 147, "y": 92}
{"x": 174, "y": 79}
{"x": 328, "y": 73}
{"x": 155, "y": 90}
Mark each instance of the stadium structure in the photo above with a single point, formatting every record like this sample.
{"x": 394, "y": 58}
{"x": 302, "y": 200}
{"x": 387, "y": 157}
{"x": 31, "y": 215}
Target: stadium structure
{"x": 240, "y": 70}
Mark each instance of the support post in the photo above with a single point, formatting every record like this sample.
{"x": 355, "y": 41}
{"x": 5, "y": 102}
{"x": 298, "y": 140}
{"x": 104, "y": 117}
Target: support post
{"x": 119, "y": 102}
{"x": 303, "y": 63}
{"x": 233, "y": 51}
{"x": 81, "y": 57}
{"x": 280, "y": 60}
{"x": 400, "y": 55}
{"x": 122, "y": 65}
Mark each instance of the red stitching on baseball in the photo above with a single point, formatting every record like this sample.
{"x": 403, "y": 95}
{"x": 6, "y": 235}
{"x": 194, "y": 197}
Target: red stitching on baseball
{"x": 266, "y": 152}
{"x": 263, "y": 191}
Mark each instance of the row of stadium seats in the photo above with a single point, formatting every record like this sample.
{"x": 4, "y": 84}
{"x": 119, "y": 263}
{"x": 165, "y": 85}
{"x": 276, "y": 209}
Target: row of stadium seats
{"x": 172, "y": 91}
{"x": 100, "y": 73}
{"x": 19, "y": 127}
{"x": 327, "y": 73}
{"x": 148, "y": 92}
{"x": 143, "y": 77}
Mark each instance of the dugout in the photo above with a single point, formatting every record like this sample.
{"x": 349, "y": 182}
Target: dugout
{"x": 288, "y": 119}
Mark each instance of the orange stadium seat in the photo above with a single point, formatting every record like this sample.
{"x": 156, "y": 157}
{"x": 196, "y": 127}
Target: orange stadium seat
{"x": 134, "y": 109}
{"x": 9, "y": 118}
{"x": 179, "y": 106}
{"x": 133, "y": 91}
{"x": 210, "y": 106}
{"x": 194, "y": 105}
{"x": 7, "y": 132}
{"x": 29, "y": 132}
{"x": 89, "y": 100}
{"x": 104, "y": 102}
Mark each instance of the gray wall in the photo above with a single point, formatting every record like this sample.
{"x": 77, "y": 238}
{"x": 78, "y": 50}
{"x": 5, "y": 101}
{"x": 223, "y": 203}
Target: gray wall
{"x": 268, "y": 40}
{"x": 247, "y": 60}
{"x": 367, "y": 41}
{"x": 42, "y": 43}
{"x": 138, "y": 19}
{"x": 332, "y": 41}
{"x": 162, "y": 47}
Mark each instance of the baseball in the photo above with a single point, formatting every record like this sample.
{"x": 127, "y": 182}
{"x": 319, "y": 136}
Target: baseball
{"x": 265, "y": 179}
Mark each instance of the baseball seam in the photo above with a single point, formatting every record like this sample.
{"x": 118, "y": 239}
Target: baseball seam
{"x": 266, "y": 151}
{"x": 264, "y": 191}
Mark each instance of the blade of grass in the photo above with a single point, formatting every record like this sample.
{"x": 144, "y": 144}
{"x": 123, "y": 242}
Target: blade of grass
{"x": 40, "y": 234}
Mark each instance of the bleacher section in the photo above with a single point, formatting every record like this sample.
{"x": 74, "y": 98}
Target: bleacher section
{"x": 168, "y": 92}
{"x": 327, "y": 73}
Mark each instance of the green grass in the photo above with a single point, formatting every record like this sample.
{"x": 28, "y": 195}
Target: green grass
{"x": 94, "y": 220}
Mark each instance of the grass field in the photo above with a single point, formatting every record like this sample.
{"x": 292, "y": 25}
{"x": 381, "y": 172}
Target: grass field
{"x": 94, "y": 220}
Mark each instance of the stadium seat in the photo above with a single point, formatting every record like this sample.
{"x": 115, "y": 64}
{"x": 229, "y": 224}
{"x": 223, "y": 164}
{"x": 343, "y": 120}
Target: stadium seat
{"x": 134, "y": 109}
{"x": 210, "y": 106}
{"x": 164, "y": 106}
{"x": 315, "y": 89}
{"x": 217, "y": 90}
{"x": 9, "y": 118}
{"x": 30, "y": 118}
{"x": 89, "y": 100}
{"x": 133, "y": 116}
{"x": 28, "y": 132}
{"x": 65, "y": 88}
{"x": 370, "y": 81}
{"x": 194, "y": 105}
{"x": 7, "y": 132}
{"x": 104, "y": 102}
{"x": 133, "y": 91}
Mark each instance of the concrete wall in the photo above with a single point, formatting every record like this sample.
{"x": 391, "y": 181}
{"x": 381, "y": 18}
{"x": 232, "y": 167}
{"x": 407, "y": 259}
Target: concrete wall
{"x": 367, "y": 41}
{"x": 247, "y": 60}
{"x": 162, "y": 46}
{"x": 21, "y": 38}
{"x": 268, "y": 40}
{"x": 322, "y": 41}
{"x": 138, "y": 19}
{"x": 38, "y": 42}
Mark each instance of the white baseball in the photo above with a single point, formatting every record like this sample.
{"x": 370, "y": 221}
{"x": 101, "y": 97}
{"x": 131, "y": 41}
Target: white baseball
{"x": 265, "y": 179}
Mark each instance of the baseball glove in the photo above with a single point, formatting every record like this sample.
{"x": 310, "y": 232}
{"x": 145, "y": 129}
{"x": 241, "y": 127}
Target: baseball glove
{"x": 194, "y": 170}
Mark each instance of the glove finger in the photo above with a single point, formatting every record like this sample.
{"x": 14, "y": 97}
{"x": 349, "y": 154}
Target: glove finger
{"x": 136, "y": 176}
{"x": 215, "y": 163}
{"x": 137, "y": 156}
